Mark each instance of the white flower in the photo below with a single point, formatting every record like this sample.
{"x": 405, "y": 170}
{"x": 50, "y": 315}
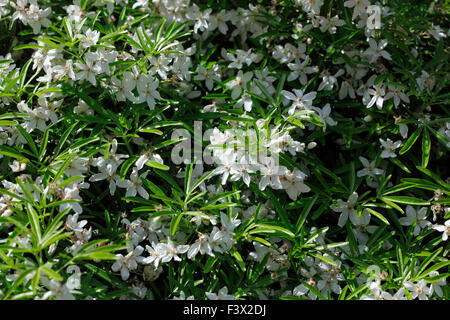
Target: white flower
{"x": 202, "y": 245}
{"x": 445, "y": 229}
{"x": 403, "y": 129}
{"x": 83, "y": 108}
{"x": 331, "y": 24}
{"x": 72, "y": 193}
{"x": 129, "y": 262}
{"x": 157, "y": 252}
{"x": 37, "y": 117}
{"x": 271, "y": 174}
{"x": 311, "y": 5}
{"x": 389, "y": 148}
{"x": 201, "y": 18}
{"x": 436, "y": 286}
{"x": 324, "y": 115}
{"x": 123, "y": 88}
{"x": 419, "y": 289}
{"x": 183, "y": 297}
{"x": 396, "y": 93}
{"x": 241, "y": 170}
{"x": 225, "y": 163}
{"x": 239, "y": 83}
{"x": 77, "y": 166}
{"x": 292, "y": 182}
{"x": 219, "y": 20}
{"x": 260, "y": 252}
{"x": 377, "y": 96}
{"x": 147, "y": 156}
{"x": 425, "y": 81}
{"x": 376, "y": 50}
{"x": 437, "y": 32}
{"x": 302, "y": 290}
{"x": 149, "y": 93}
{"x": 246, "y": 101}
{"x": 360, "y": 7}
{"x": 228, "y": 225}
{"x": 73, "y": 224}
{"x": 346, "y": 89}
{"x": 160, "y": 65}
{"x": 329, "y": 80}
{"x": 329, "y": 283}
{"x": 377, "y": 294}
{"x": 299, "y": 100}
{"x": 181, "y": 67}
{"x": 346, "y": 208}
{"x": 88, "y": 71}
{"x": 415, "y": 217}
{"x": 89, "y": 39}
{"x": 221, "y": 295}
{"x": 17, "y": 166}
{"x": 58, "y": 290}
{"x": 208, "y": 75}
{"x": 172, "y": 251}
{"x": 369, "y": 168}
{"x": 134, "y": 185}
{"x": 300, "y": 71}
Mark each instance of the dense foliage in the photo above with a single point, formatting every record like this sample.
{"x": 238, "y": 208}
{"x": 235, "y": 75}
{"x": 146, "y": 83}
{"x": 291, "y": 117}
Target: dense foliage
{"x": 181, "y": 149}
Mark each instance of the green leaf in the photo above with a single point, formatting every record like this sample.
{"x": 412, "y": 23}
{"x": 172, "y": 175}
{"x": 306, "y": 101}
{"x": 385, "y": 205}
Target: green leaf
{"x": 125, "y": 166}
{"x": 378, "y": 215}
{"x": 63, "y": 167}
{"x": 28, "y": 138}
{"x": 218, "y": 206}
{"x": 204, "y": 177}
{"x": 426, "y": 148}
{"x": 272, "y": 229}
{"x": 399, "y": 187}
{"x": 153, "y": 187}
{"x": 435, "y": 267}
{"x": 278, "y": 208}
{"x": 33, "y": 218}
{"x": 420, "y": 183}
{"x": 51, "y": 273}
{"x": 437, "y": 278}
{"x": 151, "y": 130}
{"x": 239, "y": 259}
{"x": 43, "y": 146}
{"x": 209, "y": 264}
{"x": 302, "y": 217}
{"x": 69, "y": 181}
{"x": 434, "y": 176}
{"x": 325, "y": 259}
{"x": 64, "y": 137}
{"x": 22, "y": 276}
{"x": 169, "y": 179}
{"x": 68, "y": 28}
{"x": 187, "y": 178}
{"x": 411, "y": 140}
{"x": 157, "y": 165}
{"x": 174, "y": 224}
{"x": 400, "y": 164}
{"x": 167, "y": 143}
{"x": 12, "y": 153}
{"x": 313, "y": 290}
{"x": 8, "y": 123}
{"x": 428, "y": 260}
{"x": 392, "y": 205}
{"x": 407, "y": 200}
